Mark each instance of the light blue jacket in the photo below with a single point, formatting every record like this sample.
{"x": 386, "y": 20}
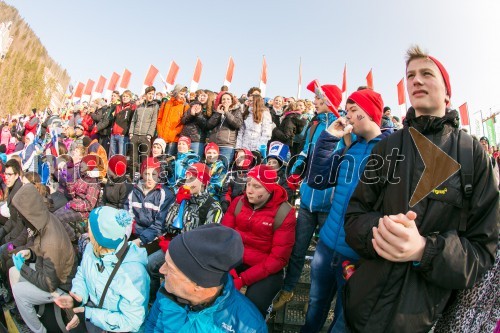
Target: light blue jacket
{"x": 231, "y": 312}
{"x": 126, "y": 302}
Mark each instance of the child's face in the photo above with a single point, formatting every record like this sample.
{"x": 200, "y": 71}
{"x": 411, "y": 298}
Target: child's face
{"x": 182, "y": 147}
{"x": 211, "y": 155}
{"x": 156, "y": 150}
{"x": 273, "y": 163}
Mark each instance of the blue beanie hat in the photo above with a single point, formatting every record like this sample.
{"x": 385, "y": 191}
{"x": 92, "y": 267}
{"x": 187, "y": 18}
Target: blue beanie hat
{"x": 109, "y": 225}
{"x": 279, "y": 151}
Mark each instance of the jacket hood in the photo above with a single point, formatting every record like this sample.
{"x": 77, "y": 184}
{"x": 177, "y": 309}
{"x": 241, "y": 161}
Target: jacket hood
{"x": 134, "y": 254}
{"x": 431, "y": 124}
{"x": 30, "y": 204}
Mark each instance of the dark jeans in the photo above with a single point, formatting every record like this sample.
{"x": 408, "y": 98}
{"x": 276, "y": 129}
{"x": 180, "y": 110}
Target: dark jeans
{"x": 326, "y": 282}
{"x": 304, "y": 230}
{"x": 263, "y": 292}
{"x": 140, "y": 150}
{"x": 155, "y": 261}
{"x": 171, "y": 148}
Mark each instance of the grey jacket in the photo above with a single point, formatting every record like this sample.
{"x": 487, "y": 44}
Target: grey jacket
{"x": 145, "y": 119}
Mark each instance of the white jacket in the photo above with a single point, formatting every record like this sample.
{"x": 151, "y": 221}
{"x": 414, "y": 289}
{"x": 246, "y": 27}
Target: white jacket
{"x": 252, "y": 135}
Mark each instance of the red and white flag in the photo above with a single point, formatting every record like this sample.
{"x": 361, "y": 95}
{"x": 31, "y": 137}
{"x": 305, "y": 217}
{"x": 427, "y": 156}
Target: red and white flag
{"x": 151, "y": 76}
{"x": 196, "y": 76}
{"x": 172, "y": 74}
{"x": 89, "y": 87}
{"x": 299, "y": 85}
{"x": 344, "y": 85}
{"x": 100, "y": 85}
{"x": 229, "y": 72}
{"x": 402, "y": 97}
{"x": 79, "y": 90}
{"x": 369, "y": 80}
{"x": 263, "y": 78}
{"x": 464, "y": 114}
{"x": 125, "y": 79}
{"x": 113, "y": 81}
{"x": 149, "y": 80}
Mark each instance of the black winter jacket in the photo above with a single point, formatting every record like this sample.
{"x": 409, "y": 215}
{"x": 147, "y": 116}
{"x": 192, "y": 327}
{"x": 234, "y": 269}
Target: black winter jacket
{"x": 291, "y": 125}
{"x": 115, "y": 192}
{"x": 195, "y": 127}
{"x": 383, "y": 296}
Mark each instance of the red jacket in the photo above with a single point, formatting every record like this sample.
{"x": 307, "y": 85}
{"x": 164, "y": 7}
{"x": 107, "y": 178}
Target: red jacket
{"x": 31, "y": 125}
{"x": 266, "y": 250}
{"x": 89, "y": 128}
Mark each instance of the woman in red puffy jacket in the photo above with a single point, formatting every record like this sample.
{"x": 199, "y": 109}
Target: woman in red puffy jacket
{"x": 268, "y": 240}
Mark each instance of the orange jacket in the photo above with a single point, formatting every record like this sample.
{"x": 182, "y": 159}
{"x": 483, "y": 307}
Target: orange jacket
{"x": 169, "y": 120}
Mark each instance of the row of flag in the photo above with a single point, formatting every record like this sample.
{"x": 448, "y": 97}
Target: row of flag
{"x": 153, "y": 72}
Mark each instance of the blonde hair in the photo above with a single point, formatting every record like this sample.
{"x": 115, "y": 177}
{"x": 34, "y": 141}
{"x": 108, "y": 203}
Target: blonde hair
{"x": 415, "y": 52}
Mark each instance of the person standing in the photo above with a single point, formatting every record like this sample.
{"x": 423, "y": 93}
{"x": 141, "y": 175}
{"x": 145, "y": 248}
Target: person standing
{"x": 143, "y": 127}
{"x": 170, "y": 116}
{"x": 414, "y": 257}
{"x": 224, "y": 124}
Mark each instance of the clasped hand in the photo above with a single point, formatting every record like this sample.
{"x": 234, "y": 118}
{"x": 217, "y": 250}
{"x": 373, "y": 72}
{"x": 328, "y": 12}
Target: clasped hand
{"x": 397, "y": 238}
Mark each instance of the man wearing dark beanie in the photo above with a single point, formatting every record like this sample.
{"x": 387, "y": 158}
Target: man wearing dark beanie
{"x": 197, "y": 295}
{"x": 417, "y": 252}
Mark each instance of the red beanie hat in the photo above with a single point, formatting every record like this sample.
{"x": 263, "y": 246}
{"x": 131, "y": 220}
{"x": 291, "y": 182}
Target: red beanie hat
{"x": 371, "y": 102}
{"x": 200, "y": 171}
{"x": 265, "y": 175}
{"x": 150, "y": 162}
{"x": 118, "y": 165}
{"x": 186, "y": 139}
{"x": 444, "y": 73}
{"x": 211, "y": 145}
{"x": 330, "y": 92}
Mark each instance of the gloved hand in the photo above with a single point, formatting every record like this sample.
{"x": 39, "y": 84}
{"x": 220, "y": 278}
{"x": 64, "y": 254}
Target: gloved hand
{"x": 238, "y": 283}
{"x": 183, "y": 194}
{"x": 164, "y": 242}
{"x": 293, "y": 182}
{"x": 18, "y": 260}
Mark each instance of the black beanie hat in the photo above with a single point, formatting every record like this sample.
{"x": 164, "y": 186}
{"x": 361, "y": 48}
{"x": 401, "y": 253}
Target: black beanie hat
{"x": 206, "y": 254}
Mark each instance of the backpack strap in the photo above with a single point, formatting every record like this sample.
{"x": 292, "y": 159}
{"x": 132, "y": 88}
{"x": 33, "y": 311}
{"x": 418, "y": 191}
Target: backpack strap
{"x": 239, "y": 205}
{"x": 121, "y": 255}
{"x": 281, "y": 214}
{"x": 465, "y": 159}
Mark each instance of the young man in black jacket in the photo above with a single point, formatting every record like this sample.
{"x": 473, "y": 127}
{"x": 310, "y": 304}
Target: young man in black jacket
{"x": 418, "y": 251}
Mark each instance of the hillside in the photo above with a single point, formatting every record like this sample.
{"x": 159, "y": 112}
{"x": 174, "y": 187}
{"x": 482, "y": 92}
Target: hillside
{"x": 29, "y": 77}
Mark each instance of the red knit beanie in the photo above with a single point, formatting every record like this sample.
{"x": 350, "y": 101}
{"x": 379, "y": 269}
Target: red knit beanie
{"x": 331, "y": 92}
{"x": 200, "y": 171}
{"x": 150, "y": 162}
{"x": 265, "y": 175}
{"x": 118, "y": 165}
{"x": 212, "y": 145}
{"x": 371, "y": 102}
{"x": 444, "y": 73}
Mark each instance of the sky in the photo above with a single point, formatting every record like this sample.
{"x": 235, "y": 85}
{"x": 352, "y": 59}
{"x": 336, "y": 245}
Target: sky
{"x": 92, "y": 38}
